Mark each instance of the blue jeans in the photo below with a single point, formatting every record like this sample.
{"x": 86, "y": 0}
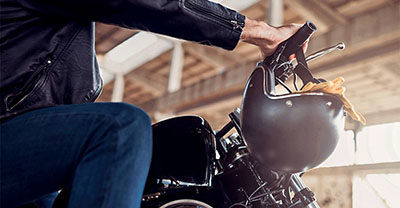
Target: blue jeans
{"x": 100, "y": 151}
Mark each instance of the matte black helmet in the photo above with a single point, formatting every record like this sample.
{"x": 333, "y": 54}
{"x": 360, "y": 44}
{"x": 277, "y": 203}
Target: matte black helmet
{"x": 292, "y": 132}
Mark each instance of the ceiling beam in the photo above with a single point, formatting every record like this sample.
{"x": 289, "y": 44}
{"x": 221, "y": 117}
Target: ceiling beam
{"x": 377, "y": 168}
{"x": 212, "y": 55}
{"x": 230, "y": 81}
{"x": 353, "y": 8}
{"x": 361, "y": 33}
{"x": 317, "y": 12}
{"x": 155, "y": 50}
{"x": 109, "y": 36}
{"x": 388, "y": 116}
{"x": 374, "y": 56}
{"x": 106, "y": 31}
{"x": 360, "y": 58}
{"x": 136, "y": 77}
{"x": 139, "y": 80}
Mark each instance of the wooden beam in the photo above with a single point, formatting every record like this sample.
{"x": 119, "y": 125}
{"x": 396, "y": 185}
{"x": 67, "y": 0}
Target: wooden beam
{"x": 106, "y": 31}
{"x": 194, "y": 70}
{"x": 154, "y": 88}
{"x": 377, "y": 168}
{"x": 228, "y": 82}
{"x": 213, "y": 56}
{"x": 109, "y": 36}
{"x": 206, "y": 73}
{"x": 361, "y": 33}
{"x": 231, "y": 82}
{"x": 214, "y": 105}
{"x": 353, "y": 8}
{"x": 317, "y": 12}
{"x": 381, "y": 117}
{"x": 360, "y": 58}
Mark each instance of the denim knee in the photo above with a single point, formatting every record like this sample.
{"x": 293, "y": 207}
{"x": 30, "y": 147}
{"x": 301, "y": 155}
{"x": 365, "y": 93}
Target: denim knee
{"x": 135, "y": 127}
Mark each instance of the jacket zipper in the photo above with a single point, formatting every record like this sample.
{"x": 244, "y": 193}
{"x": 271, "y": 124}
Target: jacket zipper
{"x": 234, "y": 24}
{"x": 27, "y": 89}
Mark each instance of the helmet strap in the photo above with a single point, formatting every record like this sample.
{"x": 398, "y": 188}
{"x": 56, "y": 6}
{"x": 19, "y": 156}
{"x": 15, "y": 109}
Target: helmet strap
{"x": 302, "y": 69}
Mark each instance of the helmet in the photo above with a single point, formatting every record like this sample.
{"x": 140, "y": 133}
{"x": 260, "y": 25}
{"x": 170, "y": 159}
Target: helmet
{"x": 291, "y": 132}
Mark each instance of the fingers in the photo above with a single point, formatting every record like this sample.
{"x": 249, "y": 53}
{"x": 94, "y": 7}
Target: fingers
{"x": 291, "y": 57}
{"x": 305, "y": 46}
{"x": 266, "y": 37}
{"x": 276, "y": 35}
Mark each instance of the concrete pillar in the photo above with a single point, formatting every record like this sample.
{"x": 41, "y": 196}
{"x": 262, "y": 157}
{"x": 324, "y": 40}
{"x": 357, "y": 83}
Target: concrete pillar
{"x": 175, "y": 71}
{"x": 275, "y": 13}
{"x": 118, "y": 90}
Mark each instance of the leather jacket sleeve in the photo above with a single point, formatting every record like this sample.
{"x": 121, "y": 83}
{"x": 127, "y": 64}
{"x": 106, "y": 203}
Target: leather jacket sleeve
{"x": 195, "y": 20}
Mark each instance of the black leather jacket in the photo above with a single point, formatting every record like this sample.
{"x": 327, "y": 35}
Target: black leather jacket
{"x": 47, "y": 46}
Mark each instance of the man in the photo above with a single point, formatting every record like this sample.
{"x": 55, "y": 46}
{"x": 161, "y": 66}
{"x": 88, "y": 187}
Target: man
{"x": 52, "y": 134}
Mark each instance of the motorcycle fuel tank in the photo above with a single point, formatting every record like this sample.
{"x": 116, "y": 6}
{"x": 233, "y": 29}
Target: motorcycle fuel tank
{"x": 183, "y": 151}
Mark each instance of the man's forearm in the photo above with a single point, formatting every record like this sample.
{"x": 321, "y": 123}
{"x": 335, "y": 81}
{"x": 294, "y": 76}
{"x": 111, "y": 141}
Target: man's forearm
{"x": 265, "y": 36}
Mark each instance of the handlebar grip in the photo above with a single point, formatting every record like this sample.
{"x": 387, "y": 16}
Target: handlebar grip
{"x": 299, "y": 38}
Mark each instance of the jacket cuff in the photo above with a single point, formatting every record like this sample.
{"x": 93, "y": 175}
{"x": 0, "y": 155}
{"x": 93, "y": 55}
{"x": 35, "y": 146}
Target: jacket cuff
{"x": 216, "y": 25}
{"x": 236, "y": 34}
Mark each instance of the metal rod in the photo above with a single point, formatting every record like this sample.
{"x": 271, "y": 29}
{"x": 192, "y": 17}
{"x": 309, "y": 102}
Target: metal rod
{"x": 297, "y": 185}
{"x": 339, "y": 46}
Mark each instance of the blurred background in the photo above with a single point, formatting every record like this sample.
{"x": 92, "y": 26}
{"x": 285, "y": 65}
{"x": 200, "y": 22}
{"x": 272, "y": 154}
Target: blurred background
{"x": 169, "y": 77}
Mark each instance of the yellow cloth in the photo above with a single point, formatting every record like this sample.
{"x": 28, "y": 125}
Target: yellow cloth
{"x": 335, "y": 88}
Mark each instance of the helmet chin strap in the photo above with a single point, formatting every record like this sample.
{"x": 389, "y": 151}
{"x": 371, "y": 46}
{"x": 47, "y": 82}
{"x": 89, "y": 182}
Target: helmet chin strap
{"x": 272, "y": 64}
{"x": 302, "y": 69}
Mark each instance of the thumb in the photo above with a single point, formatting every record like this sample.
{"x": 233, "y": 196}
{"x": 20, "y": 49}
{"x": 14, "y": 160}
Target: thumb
{"x": 305, "y": 46}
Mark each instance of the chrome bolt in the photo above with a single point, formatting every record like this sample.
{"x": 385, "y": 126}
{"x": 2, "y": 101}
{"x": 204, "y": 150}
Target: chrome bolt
{"x": 237, "y": 110}
{"x": 289, "y": 103}
{"x": 329, "y": 104}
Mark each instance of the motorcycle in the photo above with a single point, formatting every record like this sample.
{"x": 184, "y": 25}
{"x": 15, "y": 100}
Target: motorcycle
{"x": 277, "y": 138}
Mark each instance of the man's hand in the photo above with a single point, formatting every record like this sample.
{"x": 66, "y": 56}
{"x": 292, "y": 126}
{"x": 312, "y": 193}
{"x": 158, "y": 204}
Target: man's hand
{"x": 267, "y": 37}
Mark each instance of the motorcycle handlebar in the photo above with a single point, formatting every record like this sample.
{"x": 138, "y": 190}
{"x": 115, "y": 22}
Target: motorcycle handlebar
{"x": 295, "y": 42}
{"x": 299, "y": 38}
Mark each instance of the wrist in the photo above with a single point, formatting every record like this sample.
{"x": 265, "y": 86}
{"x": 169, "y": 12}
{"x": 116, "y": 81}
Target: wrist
{"x": 255, "y": 31}
{"x": 249, "y": 26}
{"x": 265, "y": 36}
